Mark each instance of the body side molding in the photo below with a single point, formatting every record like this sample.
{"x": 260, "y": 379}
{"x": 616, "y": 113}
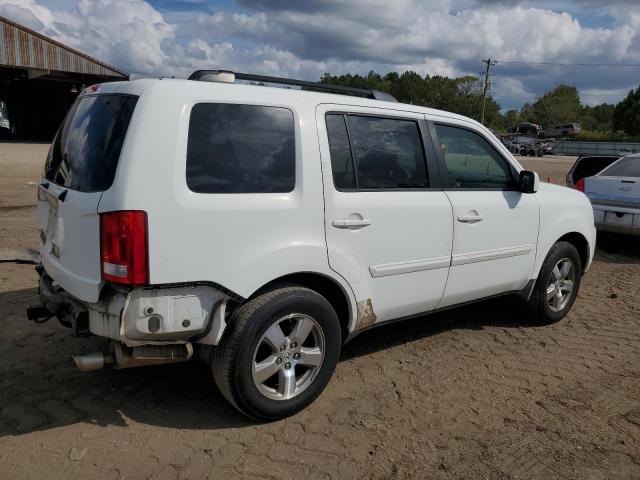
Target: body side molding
{"x": 396, "y": 268}
{"x": 494, "y": 254}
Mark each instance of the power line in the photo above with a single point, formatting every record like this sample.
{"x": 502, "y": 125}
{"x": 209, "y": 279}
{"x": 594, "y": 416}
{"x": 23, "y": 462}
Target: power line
{"x": 563, "y": 64}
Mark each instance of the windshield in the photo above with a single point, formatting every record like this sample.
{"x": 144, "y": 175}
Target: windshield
{"x": 85, "y": 152}
{"x": 625, "y": 167}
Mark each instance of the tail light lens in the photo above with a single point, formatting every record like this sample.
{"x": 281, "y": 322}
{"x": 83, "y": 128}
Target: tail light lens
{"x": 123, "y": 247}
{"x": 580, "y": 185}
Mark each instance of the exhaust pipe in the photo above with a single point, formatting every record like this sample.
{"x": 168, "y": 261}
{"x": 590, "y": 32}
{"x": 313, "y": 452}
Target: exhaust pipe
{"x": 92, "y": 361}
{"x": 38, "y": 313}
{"x": 125, "y": 357}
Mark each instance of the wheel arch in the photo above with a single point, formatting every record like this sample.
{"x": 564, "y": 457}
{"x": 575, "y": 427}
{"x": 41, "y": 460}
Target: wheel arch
{"x": 579, "y": 241}
{"x": 335, "y": 293}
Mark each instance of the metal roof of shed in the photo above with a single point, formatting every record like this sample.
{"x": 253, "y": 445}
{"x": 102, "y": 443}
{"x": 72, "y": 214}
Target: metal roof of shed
{"x": 23, "y": 47}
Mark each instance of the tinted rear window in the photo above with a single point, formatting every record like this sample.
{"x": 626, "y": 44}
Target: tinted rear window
{"x": 625, "y": 167}
{"x": 240, "y": 149}
{"x": 589, "y": 166}
{"x": 85, "y": 153}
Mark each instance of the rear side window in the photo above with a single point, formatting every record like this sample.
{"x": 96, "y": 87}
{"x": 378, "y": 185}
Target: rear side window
{"x": 625, "y": 167}
{"x": 384, "y": 153}
{"x": 85, "y": 153}
{"x": 341, "y": 161}
{"x": 240, "y": 149}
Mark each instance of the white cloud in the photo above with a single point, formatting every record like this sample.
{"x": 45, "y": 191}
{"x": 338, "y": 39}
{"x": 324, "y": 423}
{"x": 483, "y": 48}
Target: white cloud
{"x": 306, "y": 39}
{"x": 129, "y": 35}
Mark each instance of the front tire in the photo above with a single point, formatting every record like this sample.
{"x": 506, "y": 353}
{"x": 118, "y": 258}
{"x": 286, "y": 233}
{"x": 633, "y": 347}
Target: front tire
{"x": 557, "y": 285}
{"x": 278, "y": 353}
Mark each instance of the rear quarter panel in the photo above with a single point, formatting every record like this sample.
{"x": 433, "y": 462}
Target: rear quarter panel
{"x": 239, "y": 241}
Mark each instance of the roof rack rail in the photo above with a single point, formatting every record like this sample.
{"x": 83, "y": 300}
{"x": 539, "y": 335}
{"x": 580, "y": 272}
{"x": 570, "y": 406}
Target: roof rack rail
{"x": 227, "y": 76}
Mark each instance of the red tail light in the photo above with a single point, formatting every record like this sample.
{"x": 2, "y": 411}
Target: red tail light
{"x": 123, "y": 247}
{"x": 580, "y": 185}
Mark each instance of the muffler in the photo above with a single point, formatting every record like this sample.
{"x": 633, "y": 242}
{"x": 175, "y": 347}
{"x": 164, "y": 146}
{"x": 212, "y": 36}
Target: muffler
{"x": 92, "y": 361}
{"x": 122, "y": 356}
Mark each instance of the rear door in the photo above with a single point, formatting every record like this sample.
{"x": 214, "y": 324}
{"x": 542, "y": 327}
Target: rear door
{"x": 388, "y": 224}
{"x": 495, "y": 227}
{"x": 81, "y": 164}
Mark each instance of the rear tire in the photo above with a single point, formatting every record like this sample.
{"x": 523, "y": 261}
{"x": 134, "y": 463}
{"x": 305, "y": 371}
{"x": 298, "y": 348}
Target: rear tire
{"x": 557, "y": 285}
{"x": 278, "y": 353}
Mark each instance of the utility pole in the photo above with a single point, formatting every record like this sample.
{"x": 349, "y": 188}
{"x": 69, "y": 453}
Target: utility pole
{"x": 486, "y": 86}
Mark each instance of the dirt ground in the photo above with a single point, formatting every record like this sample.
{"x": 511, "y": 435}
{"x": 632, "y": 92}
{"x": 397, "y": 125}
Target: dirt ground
{"x": 473, "y": 393}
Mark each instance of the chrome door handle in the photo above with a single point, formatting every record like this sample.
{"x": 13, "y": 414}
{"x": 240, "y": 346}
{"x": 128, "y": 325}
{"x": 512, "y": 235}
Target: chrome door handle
{"x": 470, "y": 218}
{"x": 351, "y": 223}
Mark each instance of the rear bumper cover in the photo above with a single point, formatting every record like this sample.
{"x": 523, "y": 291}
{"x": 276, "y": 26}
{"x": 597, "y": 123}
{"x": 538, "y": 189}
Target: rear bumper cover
{"x": 141, "y": 316}
{"x": 54, "y": 301}
{"x": 616, "y": 218}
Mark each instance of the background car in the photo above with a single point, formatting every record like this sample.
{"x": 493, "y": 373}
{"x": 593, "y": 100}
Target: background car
{"x": 562, "y": 130}
{"x": 526, "y": 129}
{"x": 589, "y": 165}
{"x": 615, "y": 196}
{"x": 526, "y": 145}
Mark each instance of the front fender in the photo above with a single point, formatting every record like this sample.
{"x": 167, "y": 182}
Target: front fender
{"x": 563, "y": 211}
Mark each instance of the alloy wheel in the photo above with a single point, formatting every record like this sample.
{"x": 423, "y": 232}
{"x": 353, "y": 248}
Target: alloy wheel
{"x": 561, "y": 284}
{"x": 288, "y": 357}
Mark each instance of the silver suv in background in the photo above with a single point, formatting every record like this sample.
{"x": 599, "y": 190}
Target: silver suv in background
{"x": 562, "y": 130}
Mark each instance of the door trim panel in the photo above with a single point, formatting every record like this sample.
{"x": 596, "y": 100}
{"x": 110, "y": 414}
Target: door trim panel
{"x": 493, "y": 254}
{"x": 397, "y": 268}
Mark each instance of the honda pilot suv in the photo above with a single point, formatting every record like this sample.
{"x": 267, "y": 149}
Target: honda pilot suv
{"x": 261, "y": 228}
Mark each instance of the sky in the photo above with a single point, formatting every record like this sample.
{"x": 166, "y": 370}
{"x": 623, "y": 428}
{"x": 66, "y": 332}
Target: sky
{"x": 307, "y": 38}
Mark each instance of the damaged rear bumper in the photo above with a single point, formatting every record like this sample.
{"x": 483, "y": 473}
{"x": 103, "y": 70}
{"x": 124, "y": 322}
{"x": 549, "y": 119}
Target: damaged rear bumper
{"x": 54, "y": 302}
{"x": 146, "y": 325}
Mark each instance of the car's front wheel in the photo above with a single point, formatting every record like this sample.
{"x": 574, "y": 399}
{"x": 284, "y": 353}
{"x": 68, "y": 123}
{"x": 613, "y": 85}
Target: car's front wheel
{"x": 278, "y": 353}
{"x": 557, "y": 285}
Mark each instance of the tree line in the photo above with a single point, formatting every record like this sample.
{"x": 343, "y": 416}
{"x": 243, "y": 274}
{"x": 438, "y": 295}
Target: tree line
{"x": 463, "y": 95}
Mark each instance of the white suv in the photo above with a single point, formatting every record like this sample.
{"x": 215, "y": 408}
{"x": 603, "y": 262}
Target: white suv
{"x": 265, "y": 227}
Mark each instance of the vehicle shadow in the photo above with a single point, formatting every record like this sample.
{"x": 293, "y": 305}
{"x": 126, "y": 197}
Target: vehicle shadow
{"x": 505, "y": 312}
{"x": 40, "y": 388}
{"x": 618, "y": 248}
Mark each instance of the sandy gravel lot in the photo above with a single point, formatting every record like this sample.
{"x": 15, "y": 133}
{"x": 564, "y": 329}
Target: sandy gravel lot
{"x": 473, "y": 393}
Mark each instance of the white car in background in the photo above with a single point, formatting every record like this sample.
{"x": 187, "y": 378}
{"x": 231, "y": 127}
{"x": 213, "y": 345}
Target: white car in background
{"x": 615, "y": 196}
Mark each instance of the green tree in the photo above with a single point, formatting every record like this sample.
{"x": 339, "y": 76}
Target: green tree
{"x": 603, "y": 115}
{"x": 560, "y": 105}
{"x": 458, "y": 95}
{"x": 598, "y": 118}
{"x": 526, "y": 113}
{"x": 626, "y": 115}
{"x": 512, "y": 118}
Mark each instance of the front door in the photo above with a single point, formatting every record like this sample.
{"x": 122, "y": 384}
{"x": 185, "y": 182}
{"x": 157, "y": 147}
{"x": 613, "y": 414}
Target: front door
{"x": 495, "y": 227}
{"x": 388, "y": 230}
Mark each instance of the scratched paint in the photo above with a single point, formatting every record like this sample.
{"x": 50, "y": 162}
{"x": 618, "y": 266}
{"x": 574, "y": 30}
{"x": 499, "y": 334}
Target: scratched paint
{"x": 366, "y": 315}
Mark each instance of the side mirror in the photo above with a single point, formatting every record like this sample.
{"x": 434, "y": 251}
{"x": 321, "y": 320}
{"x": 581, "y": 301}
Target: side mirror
{"x": 528, "y": 182}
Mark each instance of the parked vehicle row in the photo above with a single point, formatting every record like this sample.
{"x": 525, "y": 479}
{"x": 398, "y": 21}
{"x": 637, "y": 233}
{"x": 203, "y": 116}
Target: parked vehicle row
{"x": 525, "y": 145}
{"x": 562, "y": 130}
{"x": 265, "y": 227}
{"x": 557, "y": 130}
